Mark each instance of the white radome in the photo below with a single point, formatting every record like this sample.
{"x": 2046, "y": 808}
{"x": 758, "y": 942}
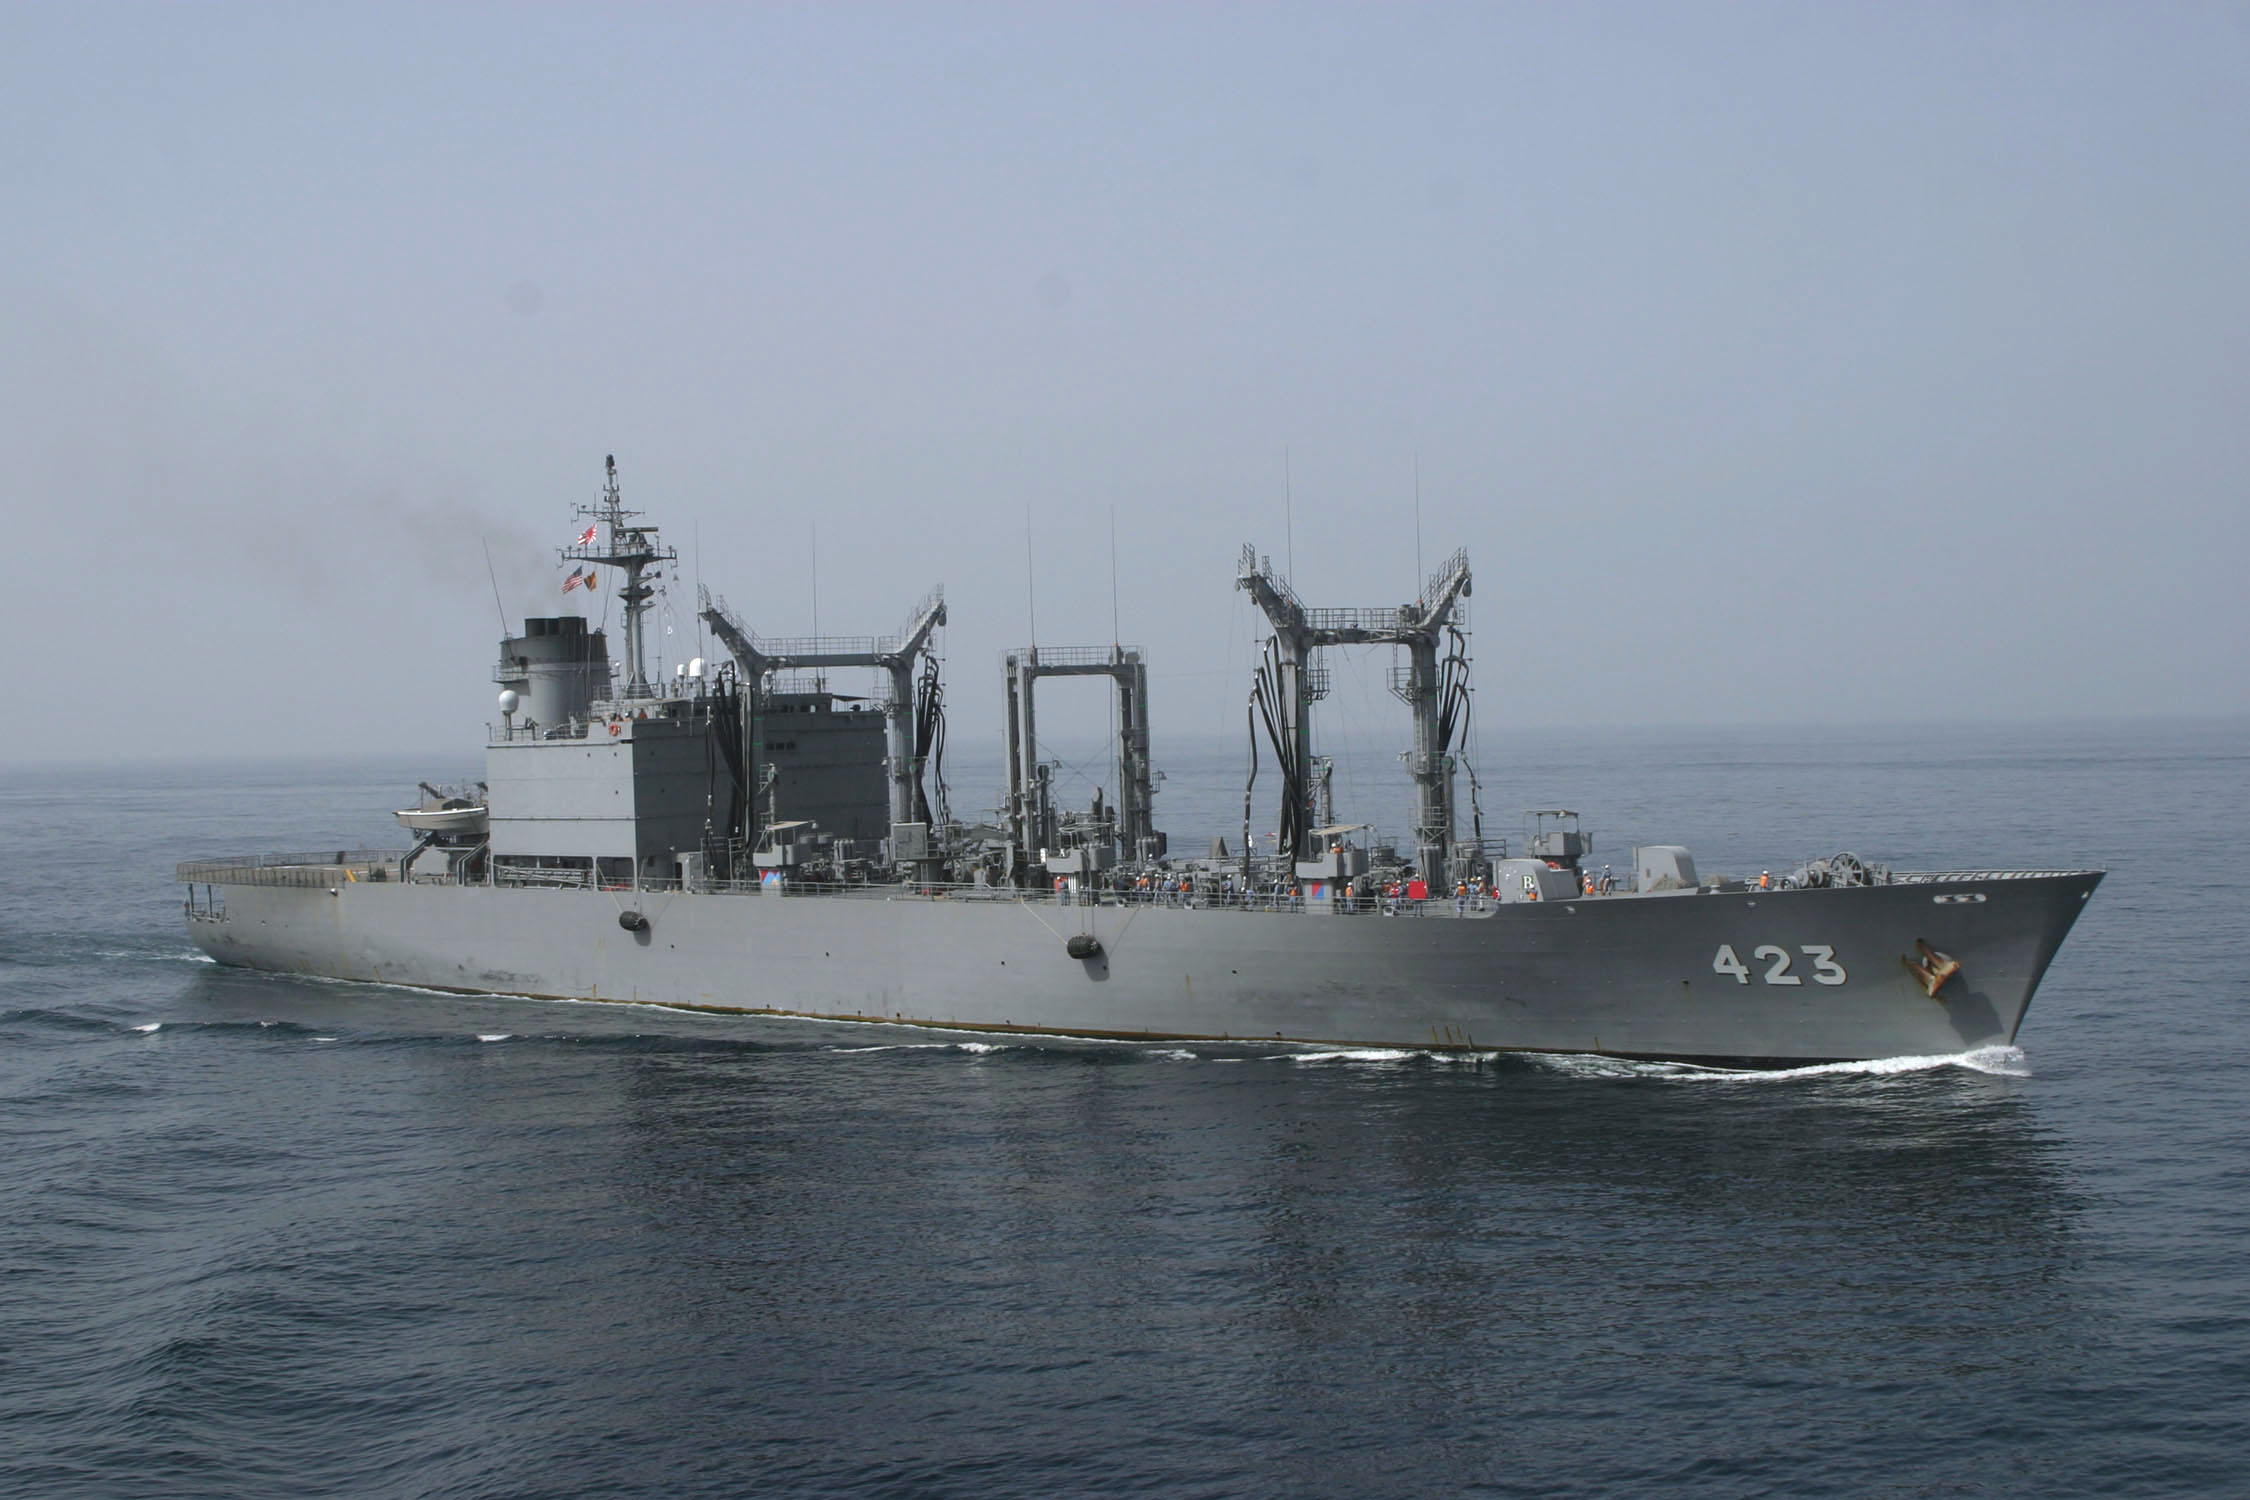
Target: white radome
{"x": 509, "y": 701}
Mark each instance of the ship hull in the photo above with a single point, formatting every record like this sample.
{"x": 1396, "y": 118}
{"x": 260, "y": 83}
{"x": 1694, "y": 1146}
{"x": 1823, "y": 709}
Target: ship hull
{"x": 1784, "y": 977}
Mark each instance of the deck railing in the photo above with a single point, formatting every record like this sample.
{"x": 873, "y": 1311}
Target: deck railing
{"x": 324, "y": 868}
{"x": 329, "y": 868}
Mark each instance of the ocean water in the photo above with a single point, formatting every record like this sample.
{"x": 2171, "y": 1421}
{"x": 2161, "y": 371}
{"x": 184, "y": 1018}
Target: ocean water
{"x": 265, "y": 1236}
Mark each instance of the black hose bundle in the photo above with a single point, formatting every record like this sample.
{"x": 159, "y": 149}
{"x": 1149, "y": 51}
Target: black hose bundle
{"x": 1266, "y": 707}
{"x": 1453, "y": 693}
{"x": 929, "y": 742}
{"x": 723, "y": 754}
{"x": 1455, "y": 706}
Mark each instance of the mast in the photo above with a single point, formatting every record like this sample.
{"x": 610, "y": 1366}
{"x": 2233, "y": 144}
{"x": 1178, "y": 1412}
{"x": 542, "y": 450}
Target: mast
{"x": 1030, "y": 811}
{"x": 1299, "y": 632}
{"x": 632, "y": 548}
{"x": 1298, "y": 686}
{"x": 893, "y": 654}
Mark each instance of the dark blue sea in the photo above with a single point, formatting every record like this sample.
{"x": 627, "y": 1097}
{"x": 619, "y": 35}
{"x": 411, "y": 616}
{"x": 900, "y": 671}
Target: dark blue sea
{"x": 262, "y": 1236}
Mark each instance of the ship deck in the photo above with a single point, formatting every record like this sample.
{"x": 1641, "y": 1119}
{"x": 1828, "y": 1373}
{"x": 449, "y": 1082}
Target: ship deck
{"x": 378, "y": 866}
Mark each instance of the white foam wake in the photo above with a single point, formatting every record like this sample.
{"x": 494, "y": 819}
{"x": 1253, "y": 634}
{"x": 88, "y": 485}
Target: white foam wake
{"x": 2004, "y": 1062}
{"x": 973, "y": 1047}
{"x": 1384, "y": 1055}
{"x": 2001, "y": 1062}
{"x": 494, "y": 1036}
{"x": 151, "y": 1026}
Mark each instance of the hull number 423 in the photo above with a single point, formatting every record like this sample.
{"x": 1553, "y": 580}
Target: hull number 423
{"x": 1777, "y": 961}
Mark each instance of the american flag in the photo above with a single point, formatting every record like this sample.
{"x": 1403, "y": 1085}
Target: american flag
{"x": 577, "y": 577}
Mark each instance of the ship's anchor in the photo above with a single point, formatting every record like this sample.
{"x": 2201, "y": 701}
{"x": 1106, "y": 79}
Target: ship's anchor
{"x": 1932, "y": 969}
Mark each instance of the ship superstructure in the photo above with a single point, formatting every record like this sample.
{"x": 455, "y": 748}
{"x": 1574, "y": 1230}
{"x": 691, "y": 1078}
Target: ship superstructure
{"x": 737, "y": 836}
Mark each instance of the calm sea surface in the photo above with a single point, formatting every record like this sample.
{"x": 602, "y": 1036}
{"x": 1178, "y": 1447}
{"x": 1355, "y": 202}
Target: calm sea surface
{"x": 264, "y": 1236}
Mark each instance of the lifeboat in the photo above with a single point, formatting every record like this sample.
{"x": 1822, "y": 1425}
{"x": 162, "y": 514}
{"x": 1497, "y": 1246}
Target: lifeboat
{"x": 447, "y": 817}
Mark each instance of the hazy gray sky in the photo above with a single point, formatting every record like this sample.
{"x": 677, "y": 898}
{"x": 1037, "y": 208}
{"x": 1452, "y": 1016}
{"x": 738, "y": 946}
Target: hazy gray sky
{"x": 1774, "y": 363}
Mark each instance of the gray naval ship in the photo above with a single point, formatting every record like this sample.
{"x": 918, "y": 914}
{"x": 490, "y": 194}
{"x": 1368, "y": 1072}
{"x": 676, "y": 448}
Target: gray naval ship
{"x": 737, "y": 837}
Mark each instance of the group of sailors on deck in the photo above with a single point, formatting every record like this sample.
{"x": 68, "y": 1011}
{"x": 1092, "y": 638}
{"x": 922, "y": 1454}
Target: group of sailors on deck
{"x": 1403, "y": 895}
